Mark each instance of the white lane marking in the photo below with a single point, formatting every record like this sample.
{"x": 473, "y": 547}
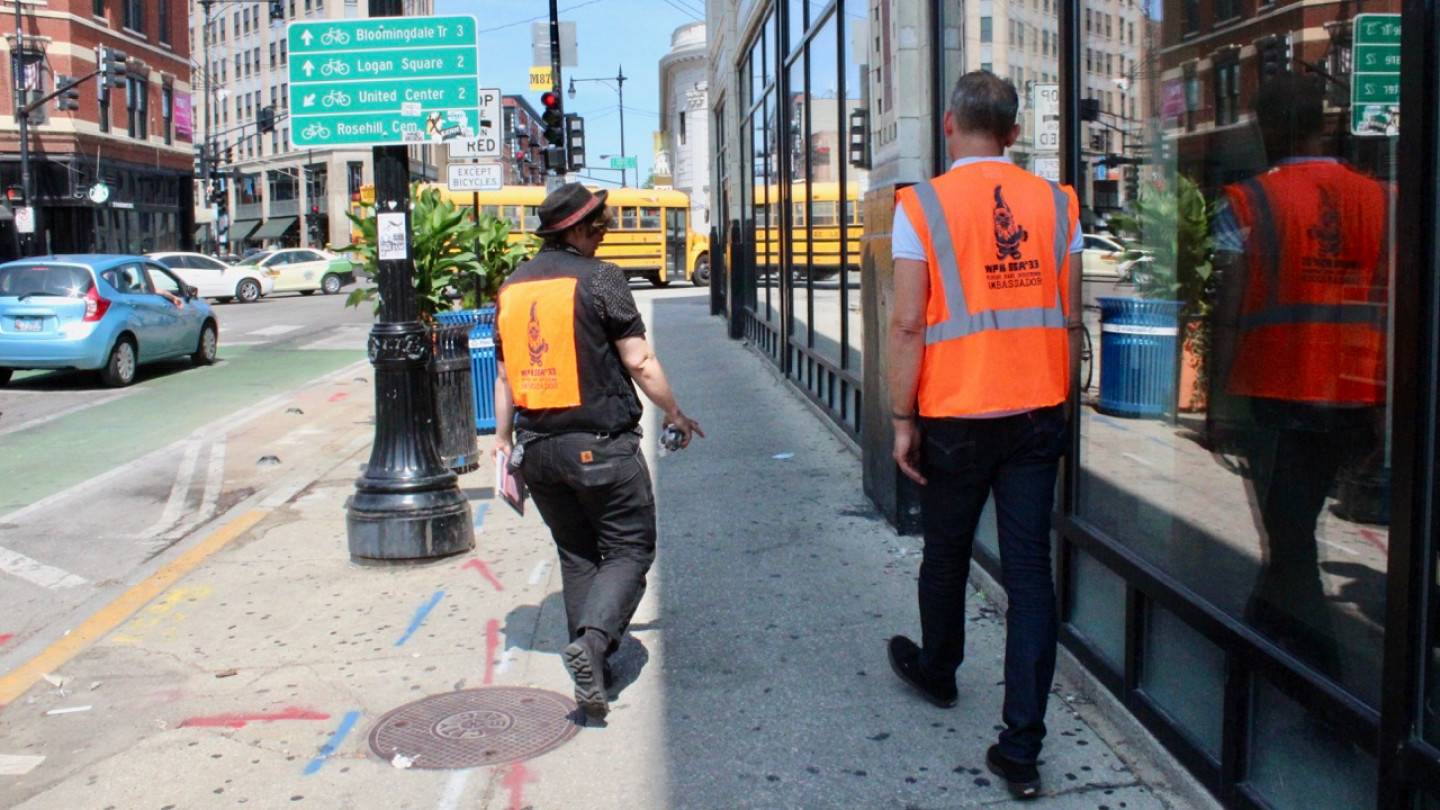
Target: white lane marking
{"x": 214, "y": 483}
{"x": 273, "y": 331}
{"x": 180, "y": 489}
{"x": 539, "y": 572}
{"x": 34, "y": 571}
{"x": 454, "y": 789}
{"x": 63, "y": 412}
{"x": 1352, "y": 552}
{"x": 232, "y": 422}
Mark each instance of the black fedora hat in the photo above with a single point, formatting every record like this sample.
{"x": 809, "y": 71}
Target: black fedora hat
{"x": 566, "y": 207}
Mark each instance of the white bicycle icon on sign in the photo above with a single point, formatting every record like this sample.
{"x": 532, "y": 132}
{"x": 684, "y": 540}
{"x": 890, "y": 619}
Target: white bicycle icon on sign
{"x": 316, "y": 131}
{"x": 335, "y": 98}
{"x": 334, "y": 36}
{"x": 335, "y": 67}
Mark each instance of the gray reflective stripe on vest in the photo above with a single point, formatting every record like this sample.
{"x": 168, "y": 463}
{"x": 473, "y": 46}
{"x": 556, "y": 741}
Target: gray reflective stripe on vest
{"x": 963, "y": 323}
{"x": 1305, "y": 314}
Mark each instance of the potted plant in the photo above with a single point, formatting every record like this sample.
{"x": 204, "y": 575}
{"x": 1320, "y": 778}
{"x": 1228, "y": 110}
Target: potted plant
{"x": 442, "y": 237}
{"x": 1172, "y": 221}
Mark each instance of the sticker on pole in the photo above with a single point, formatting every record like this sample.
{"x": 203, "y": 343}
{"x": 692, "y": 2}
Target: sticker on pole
{"x": 391, "y": 231}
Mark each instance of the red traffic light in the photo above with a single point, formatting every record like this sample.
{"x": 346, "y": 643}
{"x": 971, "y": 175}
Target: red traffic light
{"x": 550, "y": 99}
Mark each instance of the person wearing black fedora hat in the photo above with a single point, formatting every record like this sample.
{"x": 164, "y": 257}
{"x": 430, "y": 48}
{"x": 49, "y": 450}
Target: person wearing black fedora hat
{"x": 571, "y": 348}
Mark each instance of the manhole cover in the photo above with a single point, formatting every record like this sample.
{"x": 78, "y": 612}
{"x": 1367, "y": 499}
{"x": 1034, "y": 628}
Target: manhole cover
{"x": 476, "y": 727}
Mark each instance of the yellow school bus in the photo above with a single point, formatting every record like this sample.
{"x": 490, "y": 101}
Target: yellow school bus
{"x": 815, "y": 239}
{"x": 650, "y": 239}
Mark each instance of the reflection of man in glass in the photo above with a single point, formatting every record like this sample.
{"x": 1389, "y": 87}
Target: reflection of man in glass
{"x": 1301, "y": 339}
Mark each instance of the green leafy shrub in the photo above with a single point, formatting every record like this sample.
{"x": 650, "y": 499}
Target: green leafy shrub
{"x": 444, "y": 241}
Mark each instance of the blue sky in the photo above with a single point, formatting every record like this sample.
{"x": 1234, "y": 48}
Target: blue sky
{"x": 609, "y": 34}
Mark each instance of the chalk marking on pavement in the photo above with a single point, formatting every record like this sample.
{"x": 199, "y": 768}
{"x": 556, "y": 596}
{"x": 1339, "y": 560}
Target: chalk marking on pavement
{"x": 420, "y": 614}
{"x": 5, "y": 638}
{"x": 480, "y": 516}
{"x": 63, "y": 412}
{"x": 333, "y": 743}
{"x": 492, "y": 644}
{"x": 454, "y": 790}
{"x": 539, "y": 572}
{"x": 274, "y": 331}
{"x": 232, "y": 422}
{"x": 479, "y": 565}
{"x": 1376, "y": 539}
{"x": 237, "y": 720}
{"x": 14, "y": 684}
{"x": 516, "y": 779}
{"x": 35, "y": 572}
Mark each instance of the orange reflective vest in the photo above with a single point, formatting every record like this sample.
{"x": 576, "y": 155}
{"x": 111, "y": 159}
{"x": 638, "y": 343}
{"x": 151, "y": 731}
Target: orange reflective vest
{"x": 997, "y": 241}
{"x": 1313, "y": 313}
{"x": 540, "y": 316}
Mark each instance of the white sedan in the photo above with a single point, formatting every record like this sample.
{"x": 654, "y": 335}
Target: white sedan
{"x": 216, "y": 279}
{"x": 302, "y": 270}
{"x": 1102, "y": 257}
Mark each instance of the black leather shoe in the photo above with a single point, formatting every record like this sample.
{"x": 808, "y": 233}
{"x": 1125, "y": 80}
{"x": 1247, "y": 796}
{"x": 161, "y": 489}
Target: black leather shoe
{"x": 905, "y": 660}
{"x": 586, "y": 670}
{"x": 1023, "y": 779}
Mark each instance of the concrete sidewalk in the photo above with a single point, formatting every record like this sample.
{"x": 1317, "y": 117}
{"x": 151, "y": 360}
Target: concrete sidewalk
{"x": 755, "y": 675}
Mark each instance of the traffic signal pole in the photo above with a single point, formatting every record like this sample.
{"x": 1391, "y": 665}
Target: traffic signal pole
{"x": 407, "y": 506}
{"x": 555, "y": 83}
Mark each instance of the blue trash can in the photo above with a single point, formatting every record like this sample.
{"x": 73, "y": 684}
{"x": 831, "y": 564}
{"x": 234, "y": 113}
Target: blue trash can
{"x": 1138, "y": 351}
{"x": 482, "y": 368}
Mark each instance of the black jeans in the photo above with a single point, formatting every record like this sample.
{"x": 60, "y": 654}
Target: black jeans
{"x": 594, "y": 493}
{"x": 1017, "y": 459}
{"x": 1294, "y": 454}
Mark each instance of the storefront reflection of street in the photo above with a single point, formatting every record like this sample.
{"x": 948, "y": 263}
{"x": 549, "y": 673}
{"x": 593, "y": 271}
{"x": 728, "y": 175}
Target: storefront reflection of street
{"x": 1159, "y": 491}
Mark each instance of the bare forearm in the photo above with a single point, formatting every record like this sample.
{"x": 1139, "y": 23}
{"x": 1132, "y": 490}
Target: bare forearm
{"x": 650, "y": 377}
{"x": 504, "y": 410}
{"x": 907, "y": 350}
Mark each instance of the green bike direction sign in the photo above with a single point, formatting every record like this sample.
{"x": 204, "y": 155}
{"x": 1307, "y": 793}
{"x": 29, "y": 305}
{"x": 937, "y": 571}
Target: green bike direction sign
{"x": 384, "y": 81}
{"x": 1375, "y": 81}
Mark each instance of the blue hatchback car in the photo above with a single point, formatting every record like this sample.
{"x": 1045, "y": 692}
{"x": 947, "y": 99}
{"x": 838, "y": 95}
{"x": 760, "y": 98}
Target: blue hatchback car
{"x": 106, "y": 312}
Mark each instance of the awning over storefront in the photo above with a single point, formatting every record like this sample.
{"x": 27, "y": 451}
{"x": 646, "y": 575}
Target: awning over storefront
{"x": 241, "y": 228}
{"x": 274, "y": 228}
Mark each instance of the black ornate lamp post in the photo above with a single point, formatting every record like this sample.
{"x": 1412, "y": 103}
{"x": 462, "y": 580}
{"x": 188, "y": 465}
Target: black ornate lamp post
{"x": 407, "y": 506}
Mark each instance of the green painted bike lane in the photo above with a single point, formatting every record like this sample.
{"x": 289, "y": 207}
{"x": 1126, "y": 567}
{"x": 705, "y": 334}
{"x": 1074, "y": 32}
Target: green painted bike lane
{"x": 49, "y": 458}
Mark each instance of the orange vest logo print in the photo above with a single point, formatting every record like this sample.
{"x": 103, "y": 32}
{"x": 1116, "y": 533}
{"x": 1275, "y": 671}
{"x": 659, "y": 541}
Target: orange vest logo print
{"x": 1327, "y": 229}
{"x": 1018, "y": 272}
{"x": 536, "y": 343}
{"x": 540, "y": 315}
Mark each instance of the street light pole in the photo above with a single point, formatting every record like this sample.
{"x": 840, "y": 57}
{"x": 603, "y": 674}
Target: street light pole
{"x": 619, "y": 80}
{"x": 407, "y": 506}
{"x": 22, "y": 115}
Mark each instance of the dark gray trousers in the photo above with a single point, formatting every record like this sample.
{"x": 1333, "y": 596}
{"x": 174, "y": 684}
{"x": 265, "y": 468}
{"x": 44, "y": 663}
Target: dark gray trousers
{"x": 595, "y": 495}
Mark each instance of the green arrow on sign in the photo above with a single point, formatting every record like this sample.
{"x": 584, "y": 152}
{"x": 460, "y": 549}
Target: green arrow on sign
{"x": 381, "y": 33}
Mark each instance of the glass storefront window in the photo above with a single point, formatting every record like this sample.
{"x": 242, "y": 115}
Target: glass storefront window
{"x": 797, "y": 236}
{"x": 1236, "y": 432}
{"x": 1287, "y": 749}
